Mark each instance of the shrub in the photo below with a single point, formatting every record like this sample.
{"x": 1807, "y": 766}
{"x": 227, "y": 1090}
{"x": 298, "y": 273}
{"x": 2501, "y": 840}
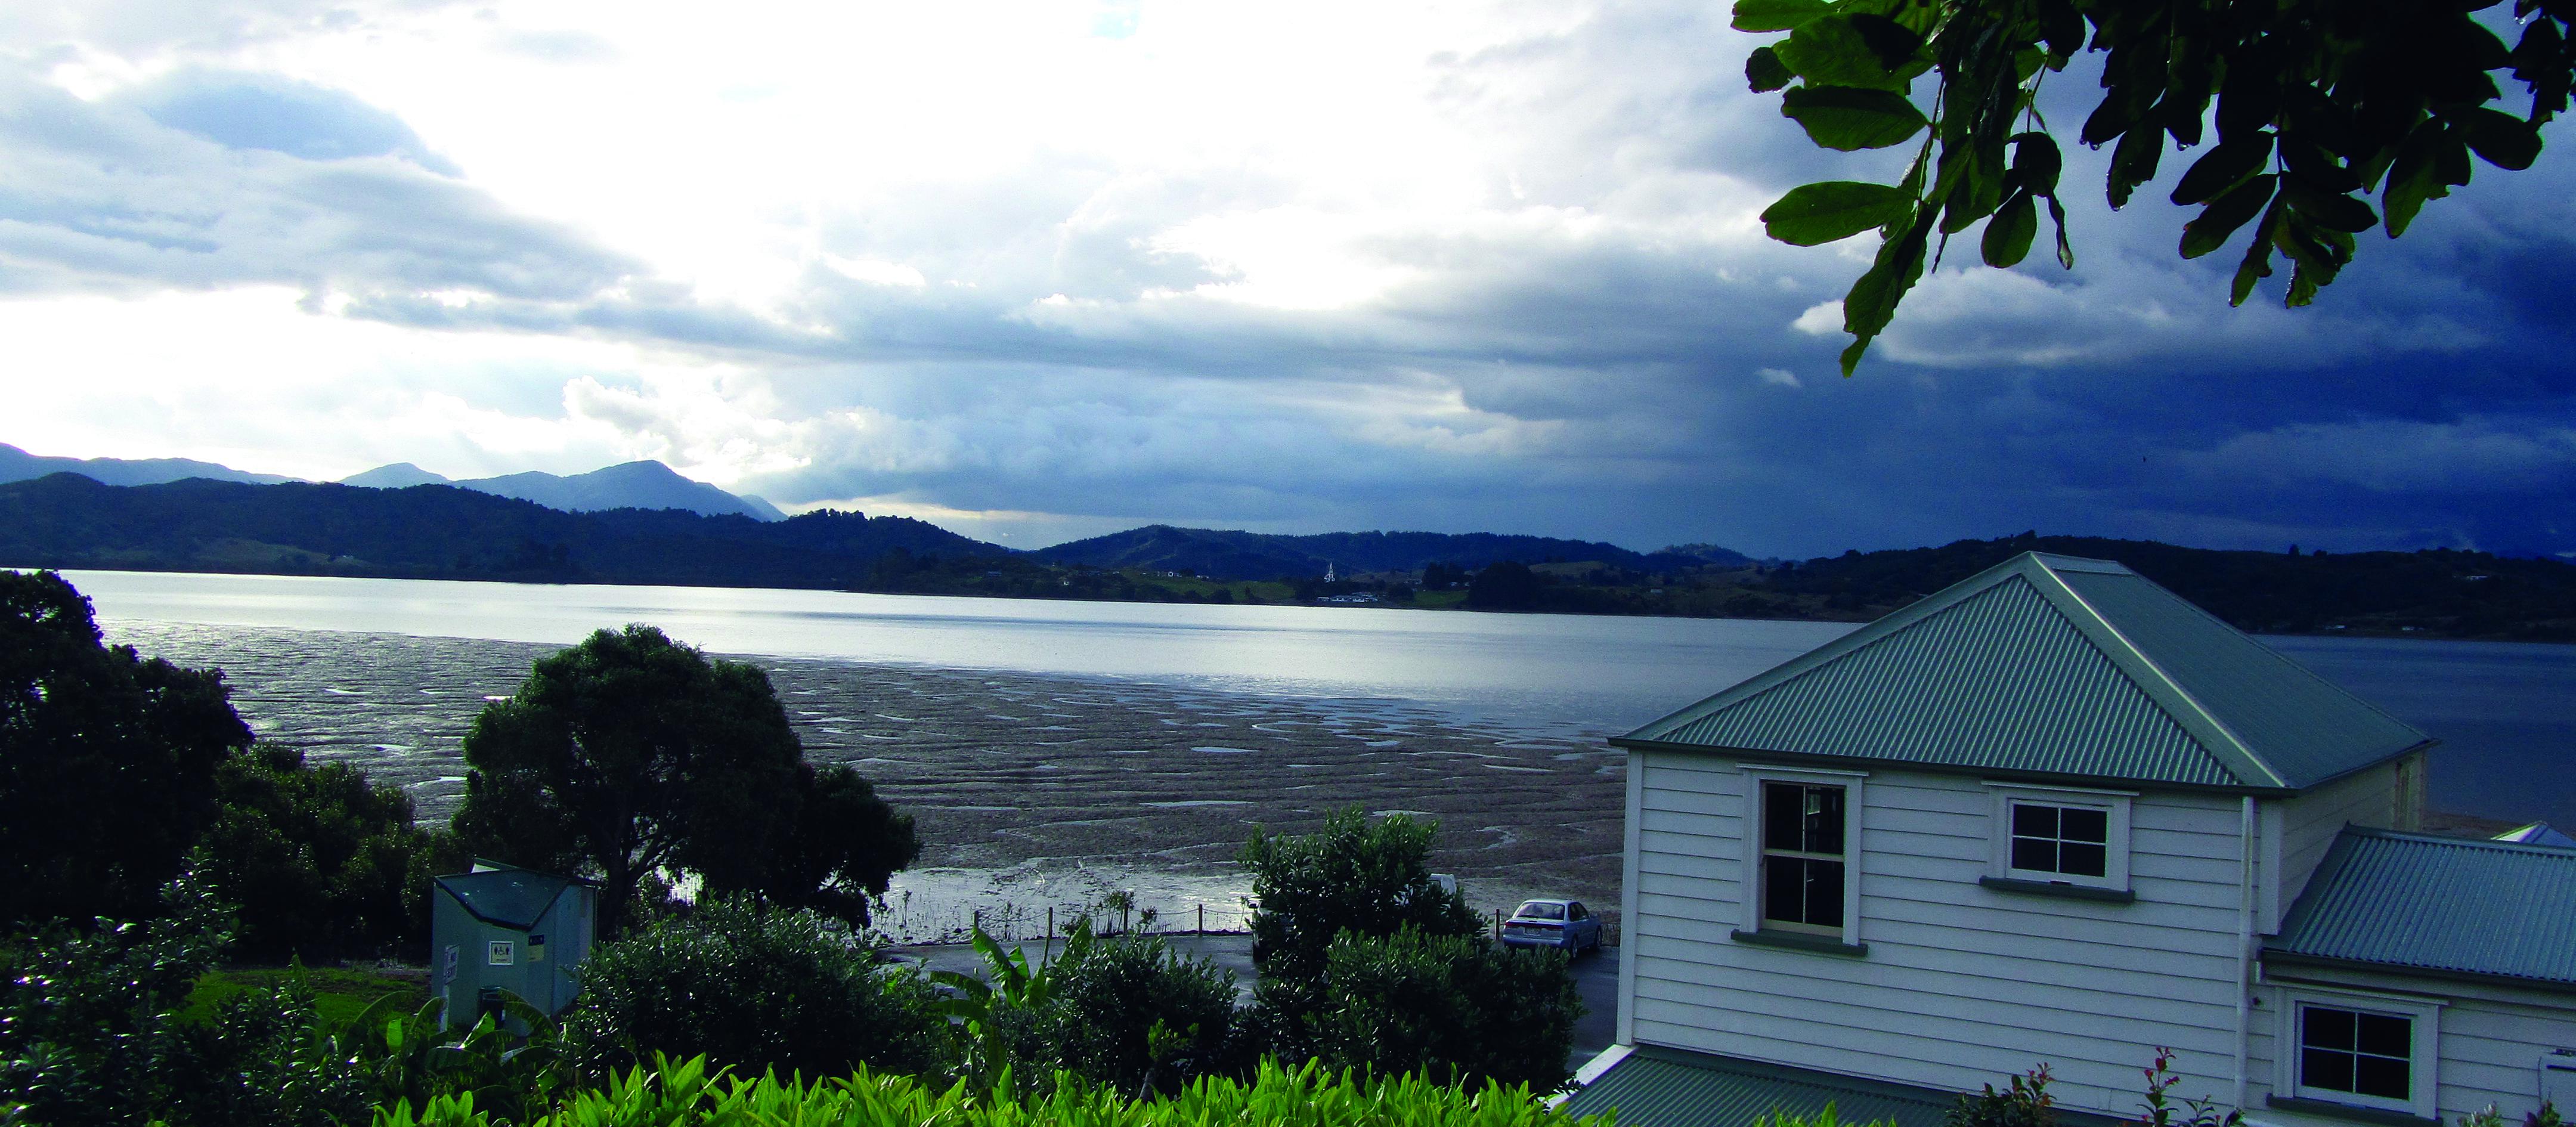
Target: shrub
{"x": 2026, "y": 1103}
{"x": 1125, "y": 1012}
{"x": 322, "y": 862}
{"x": 787, "y": 989}
{"x": 1449, "y": 1007}
{"x": 689, "y": 1094}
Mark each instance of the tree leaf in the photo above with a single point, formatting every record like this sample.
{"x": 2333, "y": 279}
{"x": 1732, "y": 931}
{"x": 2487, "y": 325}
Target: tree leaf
{"x": 2009, "y": 233}
{"x": 2225, "y": 214}
{"x": 2133, "y": 162}
{"x": 1831, "y": 51}
{"x": 1776, "y": 15}
{"x": 2225, "y": 166}
{"x": 1849, "y": 119}
{"x": 1872, "y": 302}
{"x": 2506, "y": 141}
{"x": 1764, "y": 71}
{"x": 2326, "y": 209}
{"x": 2411, "y": 180}
{"x": 2258, "y": 256}
{"x": 1812, "y": 214}
{"x": 2036, "y": 162}
{"x": 2057, "y": 219}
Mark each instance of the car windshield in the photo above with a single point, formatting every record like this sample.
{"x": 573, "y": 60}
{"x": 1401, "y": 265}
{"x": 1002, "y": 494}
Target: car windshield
{"x": 1541, "y": 910}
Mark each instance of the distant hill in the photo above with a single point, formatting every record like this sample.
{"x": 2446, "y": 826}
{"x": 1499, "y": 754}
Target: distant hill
{"x": 19, "y": 465}
{"x": 629, "y": 485}
{"x": 442, "y": 532}
{"x": 1254, "y": 555}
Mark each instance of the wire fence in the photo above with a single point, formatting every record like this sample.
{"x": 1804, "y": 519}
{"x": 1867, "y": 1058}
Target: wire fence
{"x": 1012, "y": 921}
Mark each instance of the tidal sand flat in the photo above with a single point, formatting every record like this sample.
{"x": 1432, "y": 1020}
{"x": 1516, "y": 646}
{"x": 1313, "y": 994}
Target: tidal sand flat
{"x": 1030, "y": 790}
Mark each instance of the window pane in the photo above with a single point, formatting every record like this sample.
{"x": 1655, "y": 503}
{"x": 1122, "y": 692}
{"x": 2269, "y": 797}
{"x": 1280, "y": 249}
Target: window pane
{"x": 2038, "y": 855}
{"x": 1825, "y": 893}
{"x": 2077, "y": 859}
{"x": 2382, "y": 1077}
{"x": 2033, "y": 820}
{"x": 2324, "y": 1068}
{"x": 2322, "y": 1028}
{"x": 1825, "y": 820}
{"x": 2387, "y": 1036}
{"x": 1782, "y": 815}
{"x": 1784, "y": 892}
{"x": 2076, "y": 824}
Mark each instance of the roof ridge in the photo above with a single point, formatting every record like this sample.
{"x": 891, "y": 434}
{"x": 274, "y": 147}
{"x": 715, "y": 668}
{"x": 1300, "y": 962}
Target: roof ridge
{"x": 2231, "y": 752}
{"x": 1859, "y": 640}
{"x": 2285, "y": 659}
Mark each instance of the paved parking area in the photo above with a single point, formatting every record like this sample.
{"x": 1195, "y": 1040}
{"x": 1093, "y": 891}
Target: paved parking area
{"x": 1596, "y": 978}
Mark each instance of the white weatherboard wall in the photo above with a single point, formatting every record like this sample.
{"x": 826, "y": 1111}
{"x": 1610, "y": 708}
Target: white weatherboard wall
{"x": 2487, "y": 1047}
{"x": 1962, "y": 985}
{"x": 2299, "y": 829}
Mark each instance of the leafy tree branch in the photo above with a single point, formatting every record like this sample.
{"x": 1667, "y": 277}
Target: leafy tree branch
{"x": 2315, "y": 106}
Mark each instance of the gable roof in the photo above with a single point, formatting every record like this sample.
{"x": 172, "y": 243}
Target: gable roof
{"x": 2051, "y": 666}
{"x": 514, "y": 898}
{"x": 2444, "y": 906}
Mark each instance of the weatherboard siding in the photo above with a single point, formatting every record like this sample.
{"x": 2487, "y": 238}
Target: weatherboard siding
{"x": 2489, "y": 1043}
{"x": 2310, "y": 821}
{"x": 1962, "y": 985}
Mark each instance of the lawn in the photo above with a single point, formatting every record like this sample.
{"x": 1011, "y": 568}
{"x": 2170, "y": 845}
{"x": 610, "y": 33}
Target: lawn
{"x": 338, "y": 994}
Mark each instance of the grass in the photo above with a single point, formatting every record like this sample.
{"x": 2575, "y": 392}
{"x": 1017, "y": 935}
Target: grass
{"x": 338, "y": 994}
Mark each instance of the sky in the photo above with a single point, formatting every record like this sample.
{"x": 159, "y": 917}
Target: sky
{"x": 1046, "y": 270}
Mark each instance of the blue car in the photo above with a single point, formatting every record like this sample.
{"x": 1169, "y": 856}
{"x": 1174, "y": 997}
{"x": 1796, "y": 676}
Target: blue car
{"x": 1562, "y": 924}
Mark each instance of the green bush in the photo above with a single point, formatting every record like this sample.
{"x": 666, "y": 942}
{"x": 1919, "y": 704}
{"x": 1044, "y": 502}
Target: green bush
{"x": 322, "y": 862}
{"x": 769, "y": 988}
{"x": 1445, "y": 1006}
{"x": 689, "y": 1094}
{"x": 1125, "y": 1012}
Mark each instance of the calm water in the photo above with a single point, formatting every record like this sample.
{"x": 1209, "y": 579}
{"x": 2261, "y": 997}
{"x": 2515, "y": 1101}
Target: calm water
{"x": 2506, "y": 712}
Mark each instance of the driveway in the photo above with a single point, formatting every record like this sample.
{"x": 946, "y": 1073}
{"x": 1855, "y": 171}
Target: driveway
{"x": 1596, "y": 978}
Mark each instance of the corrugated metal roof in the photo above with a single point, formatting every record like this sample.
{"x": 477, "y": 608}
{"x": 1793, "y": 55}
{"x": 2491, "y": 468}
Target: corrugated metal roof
{"x": 1659, "y": 1087}
{"x": 2052, "y": 665}
{"x": 2443, "y": 905}
{"x": 507, "y": 897}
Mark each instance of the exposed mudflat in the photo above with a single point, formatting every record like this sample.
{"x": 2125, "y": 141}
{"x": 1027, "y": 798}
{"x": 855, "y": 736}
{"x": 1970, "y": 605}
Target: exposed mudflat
{"x": 1030, "y": 791}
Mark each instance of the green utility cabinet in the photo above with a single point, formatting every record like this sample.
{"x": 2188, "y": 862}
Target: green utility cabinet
{"x": 505, "y": 928}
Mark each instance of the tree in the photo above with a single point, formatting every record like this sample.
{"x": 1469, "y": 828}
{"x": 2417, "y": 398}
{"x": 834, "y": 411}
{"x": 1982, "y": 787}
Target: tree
{"x": 1128, "y": 1012}
{"x": 107, "y": 760}
{"x": 1507, "y": 585}
{"x": 321, "y": 861}
{"x": 2319, "y": 103}
{"x": 632, "y": 755}
{"x": 1373, "y": 878}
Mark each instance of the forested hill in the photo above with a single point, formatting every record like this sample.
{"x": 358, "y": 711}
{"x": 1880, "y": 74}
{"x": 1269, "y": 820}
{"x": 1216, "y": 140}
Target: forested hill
{"x": 442, "y": 532}
{"x": 1254, "y": 555}
{"x": 2451, "y": 593}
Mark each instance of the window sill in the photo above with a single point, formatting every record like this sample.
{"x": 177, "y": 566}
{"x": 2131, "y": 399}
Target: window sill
{"x": 2349, "y": 1111}
{"x": 1800, "y": 941}
{"x": 2056, "y": 888}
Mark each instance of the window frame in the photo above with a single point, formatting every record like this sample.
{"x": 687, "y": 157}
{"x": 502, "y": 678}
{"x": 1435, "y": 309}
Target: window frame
{"x": 2423, "y": 1073}
{"x": 1752, "y": 832}
{"x": 2115, "y": 806}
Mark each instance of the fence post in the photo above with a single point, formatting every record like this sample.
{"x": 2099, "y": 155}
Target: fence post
{"x": 1203, "y": 919}
{"x": 978, "y": 923}
{"x": 1498, "y": 925}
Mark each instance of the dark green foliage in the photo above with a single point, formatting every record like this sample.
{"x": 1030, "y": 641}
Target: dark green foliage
{"x": 86, "y": 1027}
{"x": 759, "y": 988}
{"x": 2318, "y": 104}
{"x": 107, "y": 760}
{"x": 322, "y": 862}
{"x": 631, "y": 754}
{"x": 1352, "y": 874}
{"x": 2026, "y": 1103}
{"x": 1452, "y": 1008}
{"x": 1509, "y": 585}
{"x": 1127, "y": 1012}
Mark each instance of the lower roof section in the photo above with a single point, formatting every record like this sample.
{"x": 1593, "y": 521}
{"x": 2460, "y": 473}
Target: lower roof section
{"x": 1655, "y": 1086}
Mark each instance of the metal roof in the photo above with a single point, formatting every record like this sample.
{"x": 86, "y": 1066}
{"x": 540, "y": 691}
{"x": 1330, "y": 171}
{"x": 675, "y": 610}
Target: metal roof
{"x": 2054, "y": 666}
{"x": 506, "y": 897}
{"x": 1660, "y": 1087}
{"x": 2448, "y": 906}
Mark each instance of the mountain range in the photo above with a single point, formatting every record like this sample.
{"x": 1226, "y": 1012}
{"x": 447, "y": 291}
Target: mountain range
{"x": 1255, "y": 555}
{"x": 629, "y": 485}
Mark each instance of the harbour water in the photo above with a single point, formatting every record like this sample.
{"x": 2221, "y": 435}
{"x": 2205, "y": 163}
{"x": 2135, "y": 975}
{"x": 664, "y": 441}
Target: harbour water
{"x": 1492, "y": 721}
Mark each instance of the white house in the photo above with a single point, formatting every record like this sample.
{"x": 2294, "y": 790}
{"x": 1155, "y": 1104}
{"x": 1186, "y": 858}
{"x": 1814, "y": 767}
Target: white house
{"x": 2056, "y": 814}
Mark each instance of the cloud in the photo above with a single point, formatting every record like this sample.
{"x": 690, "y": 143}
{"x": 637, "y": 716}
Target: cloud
{"x": 254, "y": 111}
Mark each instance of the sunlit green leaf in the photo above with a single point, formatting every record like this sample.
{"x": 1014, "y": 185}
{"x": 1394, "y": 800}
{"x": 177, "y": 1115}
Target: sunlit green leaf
{"x": 1830, "y": 51}
{"x": 1776, "y": 15}
{"x": 1839, "y": 209}
{"x": 1846, "y": 118}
